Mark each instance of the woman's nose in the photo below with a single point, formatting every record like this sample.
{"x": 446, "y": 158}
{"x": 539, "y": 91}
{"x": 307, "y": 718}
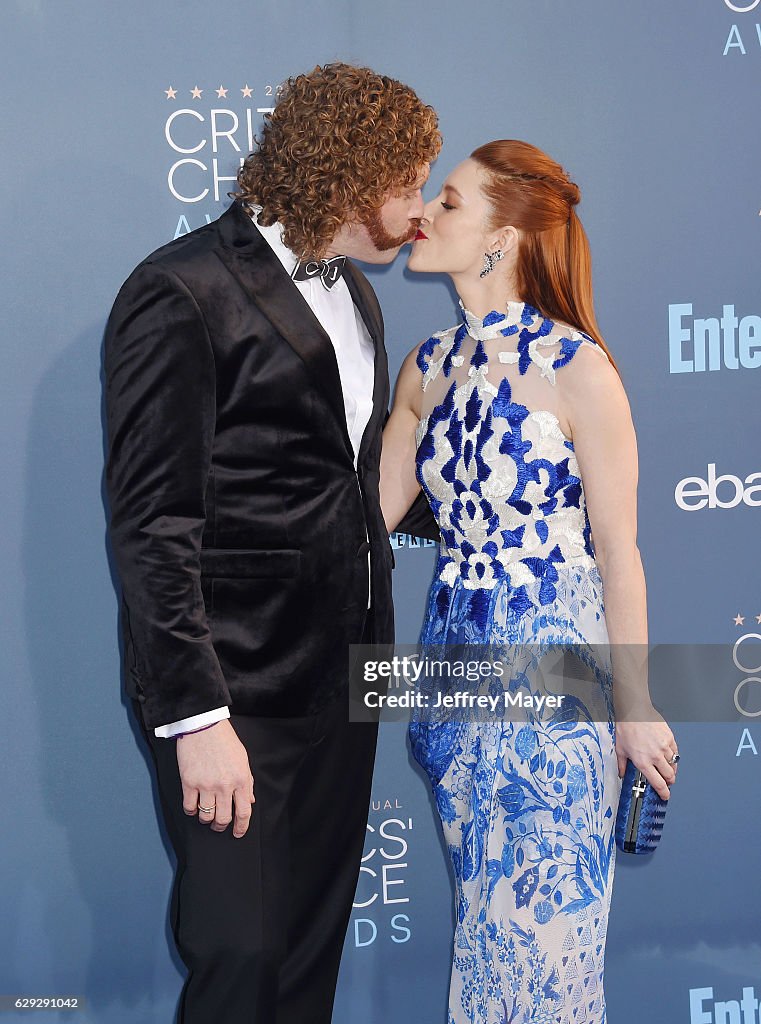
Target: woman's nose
{"x": 428, "y": 211}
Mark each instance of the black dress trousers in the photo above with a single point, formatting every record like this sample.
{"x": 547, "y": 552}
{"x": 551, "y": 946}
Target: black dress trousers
{"x": 260, "y": 921}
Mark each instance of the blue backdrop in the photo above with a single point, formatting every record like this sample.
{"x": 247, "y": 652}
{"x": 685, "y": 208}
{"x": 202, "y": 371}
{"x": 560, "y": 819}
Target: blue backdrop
{"x": 123, "y": 126}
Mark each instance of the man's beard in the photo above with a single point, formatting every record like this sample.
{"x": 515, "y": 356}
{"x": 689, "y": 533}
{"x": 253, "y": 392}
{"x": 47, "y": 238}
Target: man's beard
{"x": 380, "y": 237}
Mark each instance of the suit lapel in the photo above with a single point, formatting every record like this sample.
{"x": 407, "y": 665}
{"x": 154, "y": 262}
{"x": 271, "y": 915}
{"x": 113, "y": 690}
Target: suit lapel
{"x": 367, "y": 304}
{"x": 247, "y": 255}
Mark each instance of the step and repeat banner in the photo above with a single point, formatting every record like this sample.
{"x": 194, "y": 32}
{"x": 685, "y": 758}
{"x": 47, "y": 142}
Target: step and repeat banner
{"x": 123, "y": 127}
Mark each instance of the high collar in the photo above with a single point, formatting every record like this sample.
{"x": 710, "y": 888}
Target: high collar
{"x": 498, "y": 324}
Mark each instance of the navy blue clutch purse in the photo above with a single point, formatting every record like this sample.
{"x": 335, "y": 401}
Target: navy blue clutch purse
{"x": 641, "y": 813}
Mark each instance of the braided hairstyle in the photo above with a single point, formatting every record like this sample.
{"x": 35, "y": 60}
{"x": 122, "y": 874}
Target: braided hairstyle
{"x": 532, "y": 192}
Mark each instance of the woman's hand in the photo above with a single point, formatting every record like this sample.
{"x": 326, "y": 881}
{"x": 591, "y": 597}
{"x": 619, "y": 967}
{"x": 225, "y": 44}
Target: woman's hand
{"x": 650, "y": 745}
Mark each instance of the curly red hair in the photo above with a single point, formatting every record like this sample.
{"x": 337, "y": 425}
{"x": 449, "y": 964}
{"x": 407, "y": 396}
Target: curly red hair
{"x": 340, "y": 140}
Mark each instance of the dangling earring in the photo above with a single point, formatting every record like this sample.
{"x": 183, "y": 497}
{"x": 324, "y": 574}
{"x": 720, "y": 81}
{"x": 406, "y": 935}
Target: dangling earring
{"x": 490, "y": 258}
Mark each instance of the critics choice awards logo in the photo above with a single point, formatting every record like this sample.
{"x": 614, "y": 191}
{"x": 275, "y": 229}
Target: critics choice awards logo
{"x": 209, "y": 132}
{"x": 743, "y": 35}
{"x": 746, "y": 658}
{"x": 382, "y": 902}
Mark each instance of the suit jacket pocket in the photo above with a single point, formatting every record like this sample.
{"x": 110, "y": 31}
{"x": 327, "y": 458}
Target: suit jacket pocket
{"x": 255, "y": 626}
{"x": 230, "y": 563}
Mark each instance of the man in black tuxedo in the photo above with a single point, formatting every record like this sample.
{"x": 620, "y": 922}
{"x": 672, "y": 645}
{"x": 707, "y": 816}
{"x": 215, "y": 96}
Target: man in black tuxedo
{"x": 246, "y": 391}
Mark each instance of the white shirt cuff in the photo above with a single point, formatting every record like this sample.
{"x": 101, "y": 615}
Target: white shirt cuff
{"x": 166, "y": 732}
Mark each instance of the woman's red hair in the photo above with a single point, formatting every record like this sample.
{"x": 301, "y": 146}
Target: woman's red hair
{"x": 533, "y": 193}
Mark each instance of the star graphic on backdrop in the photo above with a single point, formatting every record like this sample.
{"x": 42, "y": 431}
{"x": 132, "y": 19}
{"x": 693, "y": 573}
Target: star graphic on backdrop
{"x": 246, "y": 90}
{"x": 196, "y": 93}
{"x": 171, "y": 94}
{"x": 222, "y": 93}
{"x": 739, "y": 620}
{"x": 758, "y": 619}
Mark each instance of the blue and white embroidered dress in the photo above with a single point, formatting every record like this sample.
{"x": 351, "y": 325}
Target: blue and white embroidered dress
{"x": 527, "y": 806}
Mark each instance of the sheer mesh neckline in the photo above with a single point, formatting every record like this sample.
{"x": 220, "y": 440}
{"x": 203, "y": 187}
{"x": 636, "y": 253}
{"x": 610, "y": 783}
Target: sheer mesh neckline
{"x": 499, "y": 324}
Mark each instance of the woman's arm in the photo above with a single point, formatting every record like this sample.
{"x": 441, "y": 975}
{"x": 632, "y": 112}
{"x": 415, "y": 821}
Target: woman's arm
{"x": 398, "y": 484}
{"x": 606, "y": 449}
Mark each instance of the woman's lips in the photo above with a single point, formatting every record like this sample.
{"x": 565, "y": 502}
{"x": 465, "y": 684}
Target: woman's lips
{"x": 420, "y": 236}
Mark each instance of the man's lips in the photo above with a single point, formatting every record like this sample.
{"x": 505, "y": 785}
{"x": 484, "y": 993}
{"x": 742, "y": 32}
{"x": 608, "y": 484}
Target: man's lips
{"x": 420, "y": 235}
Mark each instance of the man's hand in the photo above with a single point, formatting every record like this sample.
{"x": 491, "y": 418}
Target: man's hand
{"x": 216, "y": 775}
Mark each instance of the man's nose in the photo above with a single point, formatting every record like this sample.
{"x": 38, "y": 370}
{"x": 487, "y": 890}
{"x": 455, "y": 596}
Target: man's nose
{"x": 418, "y": 206}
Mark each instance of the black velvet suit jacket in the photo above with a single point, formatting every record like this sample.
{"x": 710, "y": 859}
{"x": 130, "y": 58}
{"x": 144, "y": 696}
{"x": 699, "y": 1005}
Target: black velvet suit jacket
{"x": 239, "y": 525}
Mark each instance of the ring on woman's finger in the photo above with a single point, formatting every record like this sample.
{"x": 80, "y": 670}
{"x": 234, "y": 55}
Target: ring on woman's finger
{"x": 206, "y": 810}
{"x": 674, "y": 758}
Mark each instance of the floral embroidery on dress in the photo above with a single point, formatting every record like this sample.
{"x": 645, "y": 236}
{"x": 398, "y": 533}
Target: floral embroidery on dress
{"x": 494, "y": 512}
{"x": 527, "y": 807}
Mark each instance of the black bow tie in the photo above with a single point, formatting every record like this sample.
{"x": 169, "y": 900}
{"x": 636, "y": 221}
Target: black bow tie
{"x": 329, "y": 271}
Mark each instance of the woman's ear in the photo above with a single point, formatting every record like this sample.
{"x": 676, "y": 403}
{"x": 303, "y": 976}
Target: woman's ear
{"x": 507, "y": 239}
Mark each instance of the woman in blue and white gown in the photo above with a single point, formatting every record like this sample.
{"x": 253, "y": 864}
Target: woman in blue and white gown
{"x": 516, "y": 425}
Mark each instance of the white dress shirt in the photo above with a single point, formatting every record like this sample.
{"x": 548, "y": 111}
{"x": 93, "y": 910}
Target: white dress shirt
{"x": 355, "y": 354}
